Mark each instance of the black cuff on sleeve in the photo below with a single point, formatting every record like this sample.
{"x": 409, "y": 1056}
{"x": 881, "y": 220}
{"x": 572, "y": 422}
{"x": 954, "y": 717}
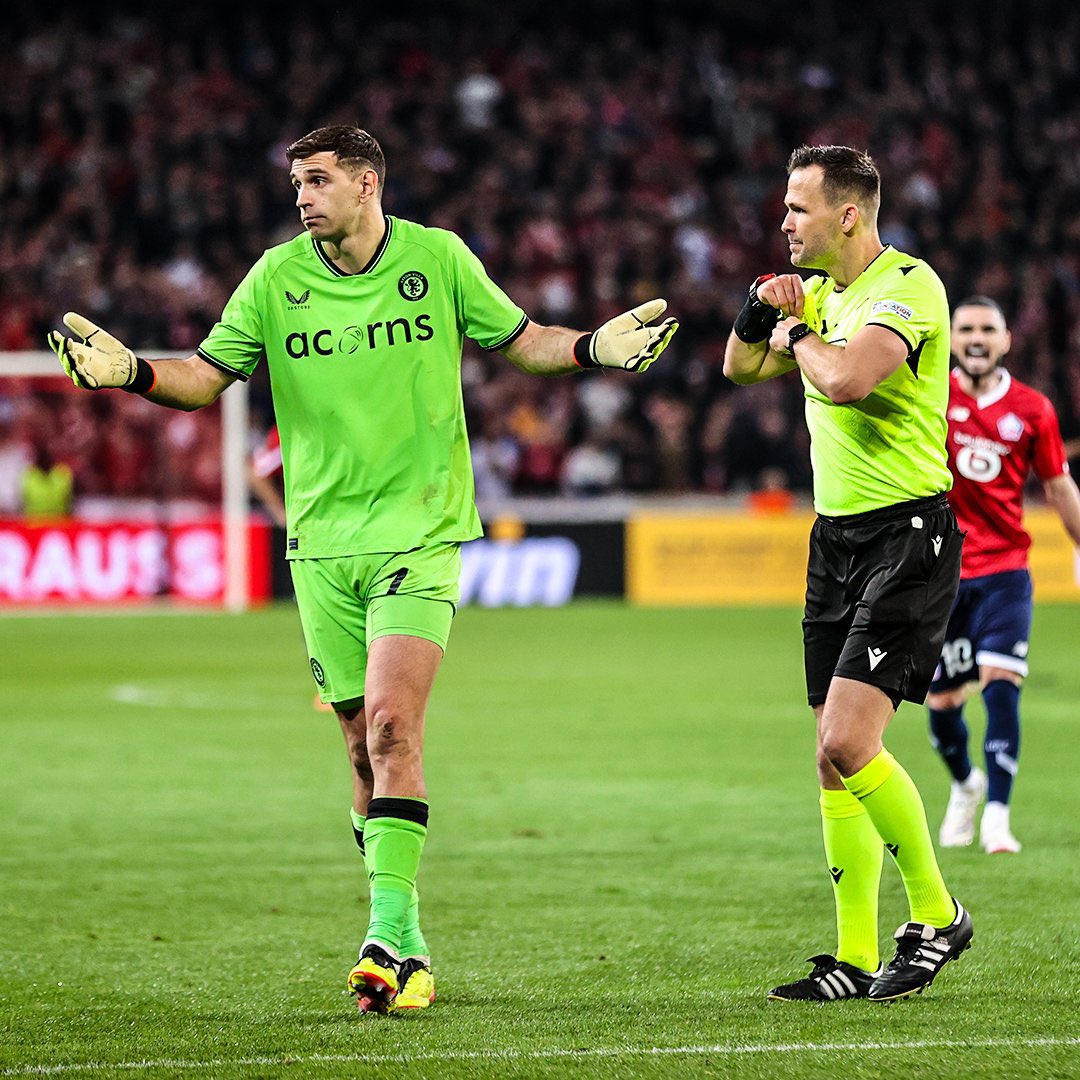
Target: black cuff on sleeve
{"x": 233, "y": 372}
{"x": 510, "y": 338}
{"x": 902, "y": 337}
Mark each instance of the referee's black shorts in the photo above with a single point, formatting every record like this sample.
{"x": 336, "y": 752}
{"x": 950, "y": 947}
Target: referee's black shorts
{"x": 879, "y": 588}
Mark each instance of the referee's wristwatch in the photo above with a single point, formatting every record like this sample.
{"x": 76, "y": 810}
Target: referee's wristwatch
{"x": 797, "y": 333}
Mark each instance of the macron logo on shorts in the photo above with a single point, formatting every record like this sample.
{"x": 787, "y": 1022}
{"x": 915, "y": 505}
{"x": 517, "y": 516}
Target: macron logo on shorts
{"x": 876, "y": 656}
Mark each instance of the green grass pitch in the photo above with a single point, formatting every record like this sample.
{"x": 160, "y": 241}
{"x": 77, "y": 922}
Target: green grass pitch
{"x": 624, "y": 855}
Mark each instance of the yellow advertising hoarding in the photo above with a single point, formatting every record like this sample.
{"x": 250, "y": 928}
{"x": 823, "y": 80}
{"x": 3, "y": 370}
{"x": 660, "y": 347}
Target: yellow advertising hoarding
{"x": 687, "y": 559}
{"x": 716, "y": 559}
{"x": 1055, "y": 568}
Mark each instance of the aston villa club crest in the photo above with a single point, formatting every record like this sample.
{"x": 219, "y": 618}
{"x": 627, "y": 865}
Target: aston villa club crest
{"x": 1011, "y": 427}
{"x": 413, "y": 285}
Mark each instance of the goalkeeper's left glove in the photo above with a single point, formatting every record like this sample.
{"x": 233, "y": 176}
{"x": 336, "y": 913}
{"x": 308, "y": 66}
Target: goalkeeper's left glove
{"x": 99, "y": 361}
{"x": 627, "y": 341}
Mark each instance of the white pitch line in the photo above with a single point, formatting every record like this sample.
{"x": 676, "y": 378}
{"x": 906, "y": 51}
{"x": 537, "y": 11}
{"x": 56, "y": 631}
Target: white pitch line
{"x": 92, "y": 609}
{"x": 165, "y": 697}
{"x": 542, "y": 1055}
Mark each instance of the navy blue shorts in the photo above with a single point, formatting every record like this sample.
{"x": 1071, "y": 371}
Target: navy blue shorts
{"x": 988, "y": 627}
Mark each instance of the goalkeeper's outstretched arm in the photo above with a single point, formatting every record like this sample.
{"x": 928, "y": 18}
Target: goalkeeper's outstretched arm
{"x": 187, "y": 384}
{"x": 631, "y": 341}
{"x": 95, "y": 360}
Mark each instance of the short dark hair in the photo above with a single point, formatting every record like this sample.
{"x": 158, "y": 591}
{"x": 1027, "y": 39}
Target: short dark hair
{"x": 849, "y": 173}
{"x": 981, "y": 301}
{"x": 354, "y": 148}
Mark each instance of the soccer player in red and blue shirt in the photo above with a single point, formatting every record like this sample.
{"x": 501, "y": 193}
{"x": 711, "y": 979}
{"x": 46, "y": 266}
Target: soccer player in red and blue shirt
{"x": 999, "y": 432}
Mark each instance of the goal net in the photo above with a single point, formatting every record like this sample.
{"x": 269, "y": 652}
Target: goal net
{"x": 106, "y": 498}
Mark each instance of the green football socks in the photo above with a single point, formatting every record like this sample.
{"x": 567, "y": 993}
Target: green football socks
{"x": 894, "y": 805}
{"x": 358, "y": 830}
{"x": 854, "y": 853}
{"x": 394, "y": 835}
{"x": 412, "y": 937}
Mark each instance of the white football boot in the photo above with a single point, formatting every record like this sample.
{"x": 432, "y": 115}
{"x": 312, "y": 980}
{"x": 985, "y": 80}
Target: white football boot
{"x": 994, "y": 832}
{"x": 958, "y": 826}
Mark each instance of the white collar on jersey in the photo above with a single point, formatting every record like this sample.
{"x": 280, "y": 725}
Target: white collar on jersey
{"x": 999, "y": 391}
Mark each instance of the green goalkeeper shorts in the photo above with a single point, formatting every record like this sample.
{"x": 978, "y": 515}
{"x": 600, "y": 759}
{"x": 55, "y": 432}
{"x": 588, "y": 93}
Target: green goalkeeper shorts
{"x": 346, "y": 603}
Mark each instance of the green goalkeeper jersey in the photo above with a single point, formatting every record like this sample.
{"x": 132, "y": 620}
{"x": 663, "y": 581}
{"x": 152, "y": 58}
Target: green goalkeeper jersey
{"x": 889, "y": 447}
{"x": 365, "y": 371}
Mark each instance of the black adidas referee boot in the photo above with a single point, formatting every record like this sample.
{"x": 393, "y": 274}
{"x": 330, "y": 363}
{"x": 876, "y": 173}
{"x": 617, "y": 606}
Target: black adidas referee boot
{"x": 831, "y": 980}
{"x": 921, "y": 952}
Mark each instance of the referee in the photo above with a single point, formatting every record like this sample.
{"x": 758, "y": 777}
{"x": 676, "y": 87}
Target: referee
{"x": 869, "y": 334}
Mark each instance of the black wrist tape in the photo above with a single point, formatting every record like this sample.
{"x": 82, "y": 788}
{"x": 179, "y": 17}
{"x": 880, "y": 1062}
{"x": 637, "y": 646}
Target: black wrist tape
{"x": 144, "y": 380}
{"x": 582, "y": 356}
{"x": 756, "y": 320}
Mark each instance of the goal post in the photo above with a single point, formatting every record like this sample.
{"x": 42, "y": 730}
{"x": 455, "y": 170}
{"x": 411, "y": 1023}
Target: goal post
{"x": 37, "y": 373}
{"x": 234, "y": 495}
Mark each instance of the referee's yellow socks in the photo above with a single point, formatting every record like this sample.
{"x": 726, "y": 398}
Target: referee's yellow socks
{"x": 854, "y": 853}
{"x": 894, "y": 805}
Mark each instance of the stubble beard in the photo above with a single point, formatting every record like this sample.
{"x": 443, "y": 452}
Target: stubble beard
{"x": 981, "y": 380}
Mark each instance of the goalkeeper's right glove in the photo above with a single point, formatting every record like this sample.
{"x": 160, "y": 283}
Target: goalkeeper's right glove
{"x": 99, "y": 361}
{"x": 626, "y": 341}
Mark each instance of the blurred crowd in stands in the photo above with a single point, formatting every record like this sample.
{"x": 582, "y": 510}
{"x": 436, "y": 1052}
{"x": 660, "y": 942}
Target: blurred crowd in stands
{"x": 591, "y": 165}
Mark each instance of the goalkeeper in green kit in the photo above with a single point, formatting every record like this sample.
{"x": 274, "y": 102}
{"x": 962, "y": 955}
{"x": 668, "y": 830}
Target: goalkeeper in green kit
{"x": 361, "y": 319}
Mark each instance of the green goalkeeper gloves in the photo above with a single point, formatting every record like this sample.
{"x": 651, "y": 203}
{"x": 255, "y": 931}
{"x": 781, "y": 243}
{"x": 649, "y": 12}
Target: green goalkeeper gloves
{"x": 98, "y": 360}
{"x": 627, "y": 341}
